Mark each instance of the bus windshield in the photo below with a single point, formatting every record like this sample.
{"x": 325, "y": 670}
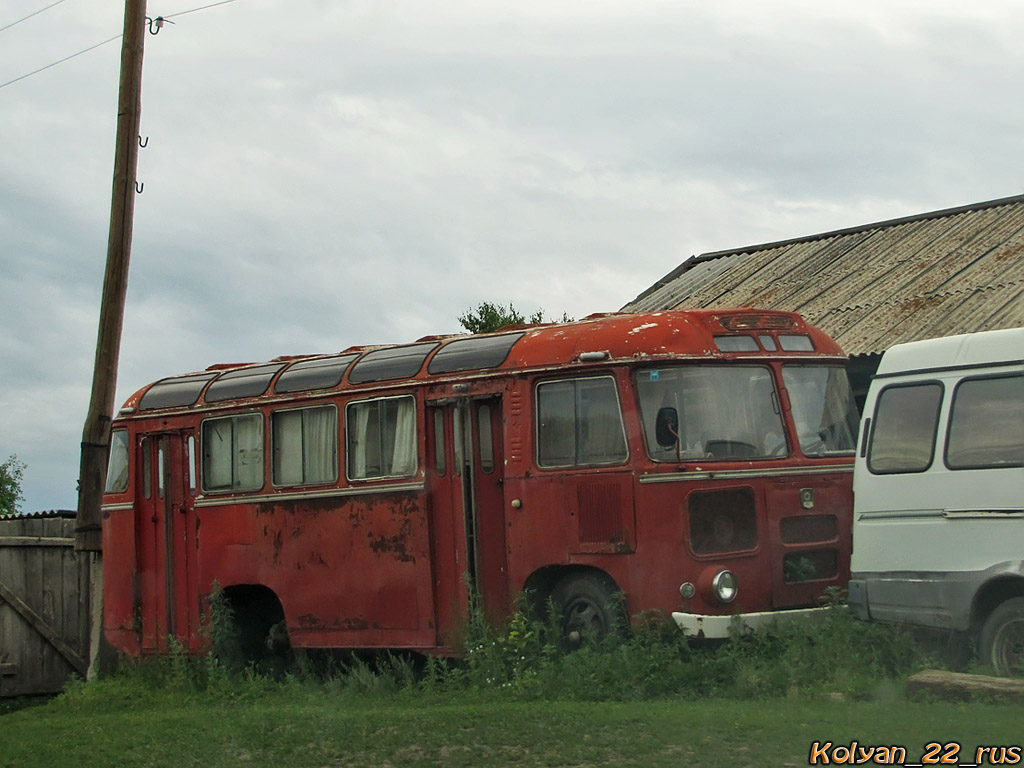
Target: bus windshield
{"x": 710, "y": 412}
{"x": 824, "y": 411}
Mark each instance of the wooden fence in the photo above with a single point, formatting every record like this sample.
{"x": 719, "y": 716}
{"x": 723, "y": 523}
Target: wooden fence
{"x": 44, "y": 604}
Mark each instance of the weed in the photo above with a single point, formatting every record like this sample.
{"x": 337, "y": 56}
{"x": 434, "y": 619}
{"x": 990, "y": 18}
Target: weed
{"x": 524, "y": 659}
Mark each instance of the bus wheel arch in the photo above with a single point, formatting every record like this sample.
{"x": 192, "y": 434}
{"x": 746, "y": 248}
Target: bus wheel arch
{"x": 587, "y": 601}
{"x": 253, "y": 627}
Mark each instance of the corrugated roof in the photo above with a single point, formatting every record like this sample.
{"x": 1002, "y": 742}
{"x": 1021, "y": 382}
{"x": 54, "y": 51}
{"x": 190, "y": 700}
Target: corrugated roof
{"x": 40, "y": 514}
{"x": 952, "y": 271}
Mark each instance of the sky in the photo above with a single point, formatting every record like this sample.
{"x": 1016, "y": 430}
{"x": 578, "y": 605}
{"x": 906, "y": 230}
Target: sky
{"x": 324, "y": 173}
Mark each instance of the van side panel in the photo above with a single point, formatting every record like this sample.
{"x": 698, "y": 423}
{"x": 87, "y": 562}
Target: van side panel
{"x": 928, "y": 540}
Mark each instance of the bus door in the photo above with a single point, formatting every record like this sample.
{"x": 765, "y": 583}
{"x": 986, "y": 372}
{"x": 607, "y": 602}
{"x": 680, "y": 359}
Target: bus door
{"x": 165, "y": 532}
{"x": 466, "y": 472}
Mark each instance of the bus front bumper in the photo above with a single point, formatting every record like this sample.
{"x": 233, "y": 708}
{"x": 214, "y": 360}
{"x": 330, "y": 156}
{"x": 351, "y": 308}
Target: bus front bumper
{"x": 696, "y": 625}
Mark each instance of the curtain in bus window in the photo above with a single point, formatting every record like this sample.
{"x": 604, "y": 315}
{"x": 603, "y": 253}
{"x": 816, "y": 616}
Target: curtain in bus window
{"x": 320, "y": 444}
{"x": 288, "y": 448}
{"x": 403, "y": 455}
{"x": 305, "y": 446}
{"x": 358, "y": 435}
{"x": 249, "y": 452}
{"x": 382, "y": 438}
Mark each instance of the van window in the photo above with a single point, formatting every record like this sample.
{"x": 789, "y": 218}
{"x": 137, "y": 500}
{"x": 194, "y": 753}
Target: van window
{"x": 905, "y": 420}
{"x": 986, "y": 424}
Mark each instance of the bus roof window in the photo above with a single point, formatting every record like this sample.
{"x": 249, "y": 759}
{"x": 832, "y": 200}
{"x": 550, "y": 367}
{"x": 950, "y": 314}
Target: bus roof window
{"x": 473, "y": 353}
{"x": 319, "y": 373}
{"x": 736, "y": 344}
{"x": 796, "y": 343}
{"x": 242, "y": 382}
{"x": 175, "y": 392}
{"x": 390, "y": 363}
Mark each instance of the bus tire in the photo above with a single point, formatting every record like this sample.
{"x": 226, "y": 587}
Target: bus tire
{"x": 1002, "y": 638}
{"x": 588, "y": 607}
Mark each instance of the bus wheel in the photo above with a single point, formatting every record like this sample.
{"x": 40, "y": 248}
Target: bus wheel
{"x": 1002, "y": 638}
{"x": 588, "y": 606}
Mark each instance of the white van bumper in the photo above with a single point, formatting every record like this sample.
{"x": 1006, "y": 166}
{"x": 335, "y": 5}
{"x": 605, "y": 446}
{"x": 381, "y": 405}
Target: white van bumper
{"x": 696, "y": 625}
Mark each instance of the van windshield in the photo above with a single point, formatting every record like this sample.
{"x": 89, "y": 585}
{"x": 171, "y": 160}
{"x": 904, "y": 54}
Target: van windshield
{"x": 824, "y": 411}
{"x": 709, "y": 412}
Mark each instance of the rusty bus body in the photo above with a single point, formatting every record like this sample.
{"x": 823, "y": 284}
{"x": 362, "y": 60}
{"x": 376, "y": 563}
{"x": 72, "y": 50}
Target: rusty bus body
{"x": 696, "y": 462}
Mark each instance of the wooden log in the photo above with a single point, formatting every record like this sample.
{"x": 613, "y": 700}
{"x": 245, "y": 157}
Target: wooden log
{"x": 36, "y": 541}
{"x": 958, "y": 686}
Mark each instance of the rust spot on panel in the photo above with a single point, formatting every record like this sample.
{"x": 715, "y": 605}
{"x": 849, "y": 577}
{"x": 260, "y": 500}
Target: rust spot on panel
{"x": 315, "y": 558}
{"x": 309, "y": 621}
{"x": 351, "y": 624}
{"x": 277, "y": 546}
{"x": 395, "y": 545}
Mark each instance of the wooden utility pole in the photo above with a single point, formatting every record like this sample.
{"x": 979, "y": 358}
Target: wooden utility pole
{"x": 96, "y": 434}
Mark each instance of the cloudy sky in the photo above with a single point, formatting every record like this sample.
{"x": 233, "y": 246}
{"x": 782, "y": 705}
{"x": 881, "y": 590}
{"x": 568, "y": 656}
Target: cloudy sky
{"x": 322, "y": 173}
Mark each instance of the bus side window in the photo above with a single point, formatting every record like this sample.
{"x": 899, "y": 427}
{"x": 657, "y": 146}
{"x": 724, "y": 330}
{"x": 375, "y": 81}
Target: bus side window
{"x": 233, "y": 453}
{"x": 305, "y": 444}
{"x": 486, "y": 439}
{"x": 117, "y": 468}
{"x": 579, "y": 422}
{"x": 191, "y": 459}
{"x": 381, "y": 438}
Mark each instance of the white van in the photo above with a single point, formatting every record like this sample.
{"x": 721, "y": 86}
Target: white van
{"x": 938, "y": 532}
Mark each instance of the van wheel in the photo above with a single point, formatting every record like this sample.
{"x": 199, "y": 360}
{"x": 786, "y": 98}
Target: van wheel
{"x": 1002, "y": 638}
{"x": 588, "y": 608}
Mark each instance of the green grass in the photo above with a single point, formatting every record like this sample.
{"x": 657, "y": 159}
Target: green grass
{"x": 518, "y": 699}
{"x": 295, "y": 724}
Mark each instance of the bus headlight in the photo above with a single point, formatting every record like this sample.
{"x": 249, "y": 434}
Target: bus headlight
{"x": 724, "y": 586}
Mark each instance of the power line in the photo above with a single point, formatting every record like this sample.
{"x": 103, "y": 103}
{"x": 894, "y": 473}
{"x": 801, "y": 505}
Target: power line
{"x": 66, "y": 58}
{"x": 182, "y": 13}
{"x": 92, "y": 47}
{"x": 34, "y": 13}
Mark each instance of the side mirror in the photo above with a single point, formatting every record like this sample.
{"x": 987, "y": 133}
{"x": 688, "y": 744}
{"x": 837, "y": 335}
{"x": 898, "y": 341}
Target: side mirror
{"x": 666, "y": 427}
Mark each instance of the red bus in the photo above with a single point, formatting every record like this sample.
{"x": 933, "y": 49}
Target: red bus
{"x": 696, "y": 463}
